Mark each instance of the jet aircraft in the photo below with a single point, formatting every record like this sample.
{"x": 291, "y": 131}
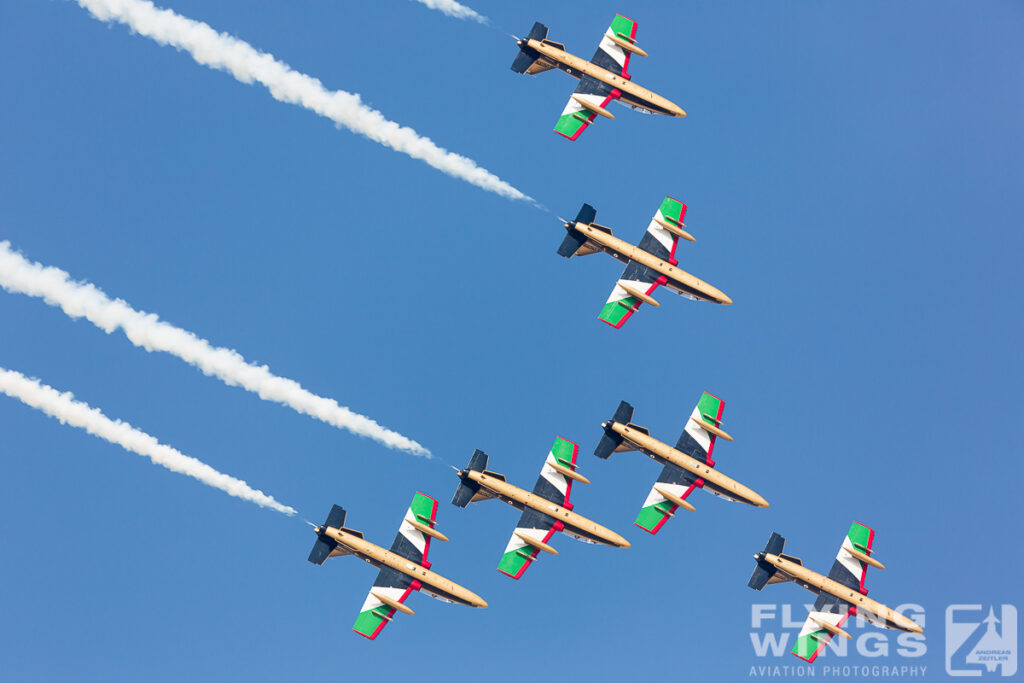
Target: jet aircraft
{"x": 546, "y": 510}
{"x": 841, "y": 594}
{"x": 603, "y": 79}
{"x": 403, "y": 569}
{"x": 648, "y": 265}
{"x": 688, "y": 466}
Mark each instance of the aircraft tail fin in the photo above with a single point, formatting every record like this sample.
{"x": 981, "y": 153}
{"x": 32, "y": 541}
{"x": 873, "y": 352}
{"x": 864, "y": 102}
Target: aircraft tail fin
{"x": 612, "y": 441}
{"x": 325, "y": 545}
{"x": 573, "y": 241}
{"x": 468, "y": 489}
{"x": 529, "y": 61}
{"x": 764, "y": 572}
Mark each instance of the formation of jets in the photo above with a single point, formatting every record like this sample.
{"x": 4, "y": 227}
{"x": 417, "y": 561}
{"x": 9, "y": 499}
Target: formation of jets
{"x": 686, "y": 466}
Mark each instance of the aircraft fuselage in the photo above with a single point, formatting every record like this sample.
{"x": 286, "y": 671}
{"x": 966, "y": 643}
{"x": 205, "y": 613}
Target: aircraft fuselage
{"x": 677, "y": 278}
{"x": 816, "y": 583}
{"x": 573, "y": 523}
{"x": 430, "y": 582}
{"x": 714, "y": 480}
{"x": 630, "y": 92}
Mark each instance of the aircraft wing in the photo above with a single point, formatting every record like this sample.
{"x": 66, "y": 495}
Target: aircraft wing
{"x": 374, "y": 614}
{"x": 518, "y": 553}
{"x": 610, "y": 55}
{"x": 657, "y": 241}
{"x": 657, "y": 508}
{"x": 847, "y": 569}
{"x": 813, "y": 637}
{"x": 696, "y": 441}
{"x": 551, "y": 484}
{"x": 576, "y": 116}
{"x": 411, "y": 543}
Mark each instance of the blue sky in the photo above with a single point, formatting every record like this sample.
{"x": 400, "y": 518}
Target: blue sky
{"x": 853, "y": 176}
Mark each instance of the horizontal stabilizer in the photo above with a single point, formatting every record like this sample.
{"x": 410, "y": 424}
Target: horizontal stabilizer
{"x": 336, "y": 517}
{"x": 325, "y": 545}
{"x": 761, "y": 576}
{"x": 775, "y": 544}
{"x": 765, "y": 572}
{"x": 624, "y": 413}
{"x": 586, "y": 214}
{"x": 529, "y": 61}
{"x": 571, "y": 243}
{"x": 608, "y": 444}
{"x": 612, "y": 441}
{"x": 478, "y": 463}
{"x": 538, "y": 32}
{"x": 321, "y": 550}
{"x": 465, "y": 493}
{"x": 468, "y": 489}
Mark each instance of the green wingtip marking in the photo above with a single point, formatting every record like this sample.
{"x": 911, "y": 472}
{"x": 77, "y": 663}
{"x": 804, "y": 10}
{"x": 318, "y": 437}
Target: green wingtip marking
{"x": 709, "y": 405}
{"x": 859, "y": 535}
{"x": 562, "y": 451}
{"x": 570, "y": 124}
{"x": 368, "y": 621}
{"x": 512, "y": 561}
{"x": 615, "y": 311}
{"x": 421, "y": 507}
{"x": 672, "y": 209}
{"x": 807, "y": 645}
{"x": 649, "y": 517}
{"x": 621, "y": 24}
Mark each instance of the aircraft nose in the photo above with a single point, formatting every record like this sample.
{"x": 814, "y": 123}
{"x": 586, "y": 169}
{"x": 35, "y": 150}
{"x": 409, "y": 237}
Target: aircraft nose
{"x": 911, "y": 625}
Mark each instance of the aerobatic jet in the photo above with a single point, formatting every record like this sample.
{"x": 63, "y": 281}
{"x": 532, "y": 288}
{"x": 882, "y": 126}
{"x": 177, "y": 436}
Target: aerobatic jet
{"x": 648, "y": 265}
{"x": 841, "y": 594}
{"x": 546, "y": 510}
{"x": 688, "y": 466}
{"x": 603, "y": 79}
{"x": 403, "y": 569}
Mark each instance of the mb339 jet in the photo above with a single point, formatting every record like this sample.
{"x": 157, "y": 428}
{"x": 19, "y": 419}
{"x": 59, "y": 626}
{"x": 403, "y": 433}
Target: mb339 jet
{"x": 688, "y": 466}
{"x": 545, "y": 510}
{"x": 601, "y": 80}
{"x": 403, "y": 569}
{"x": 841, "y": 594}
{"x": 648, "y": 265}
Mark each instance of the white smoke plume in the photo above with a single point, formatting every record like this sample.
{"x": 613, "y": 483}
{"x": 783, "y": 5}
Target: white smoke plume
{"x": 82, "y": 299}
{"x": 454, "y": 9}
{"x": 63, "y": 407}
{"x": 247, "y": 64}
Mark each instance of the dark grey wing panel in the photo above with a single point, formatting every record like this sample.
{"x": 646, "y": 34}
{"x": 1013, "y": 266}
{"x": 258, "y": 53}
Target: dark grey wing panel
{"x": 687, "y": 444}
{"x": 389, "y": 578}
{"x": 673, "y": 474}
{"x": 592, "y": 86}
{"x": 404, "y": 547}
{"x": 829, "y": 603}
{"x": 639, "y": 273}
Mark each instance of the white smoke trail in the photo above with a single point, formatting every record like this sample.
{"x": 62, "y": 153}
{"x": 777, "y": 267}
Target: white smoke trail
{"x": 146, "y": 330}
{"x": 77, "y": 414}
{"x": 247, "y": 64}
{"x": 454, "y": 9}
